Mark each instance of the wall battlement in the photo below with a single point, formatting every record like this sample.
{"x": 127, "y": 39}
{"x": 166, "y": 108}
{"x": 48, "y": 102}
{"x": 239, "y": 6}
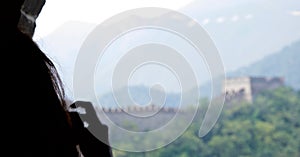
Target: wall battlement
{"x": 149, "y": 108}
{"x": 246, "y": 88}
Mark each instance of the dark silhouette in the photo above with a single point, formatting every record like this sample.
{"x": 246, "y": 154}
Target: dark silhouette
{"x": 89, "y": 143}
{"x": 37, "y": 121}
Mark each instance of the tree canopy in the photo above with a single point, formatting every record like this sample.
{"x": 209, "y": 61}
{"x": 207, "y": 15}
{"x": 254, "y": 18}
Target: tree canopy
{"x": 269, "y": 127}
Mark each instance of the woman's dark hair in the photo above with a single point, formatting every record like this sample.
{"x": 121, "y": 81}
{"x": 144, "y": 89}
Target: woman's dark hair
{"x": 37, "y": 122}
{"x": 55, "y": 78}
{"x": 47, "y": 66}
{"x": 40, "y": 109}
{"x": 56, "y": 131}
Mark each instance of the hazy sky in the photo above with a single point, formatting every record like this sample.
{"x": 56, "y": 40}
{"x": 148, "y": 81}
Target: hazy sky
{"x": 57, "y": 12}
{"x": 243, "y": 31}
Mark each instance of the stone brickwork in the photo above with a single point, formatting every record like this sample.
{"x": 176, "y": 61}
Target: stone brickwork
{"x": 246, "y": 88}
{"x": 123, "y": 119}
{"x": 140, "y": 109}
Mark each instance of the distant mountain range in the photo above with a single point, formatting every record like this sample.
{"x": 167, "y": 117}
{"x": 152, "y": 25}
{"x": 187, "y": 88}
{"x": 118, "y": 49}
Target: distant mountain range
{"x": 249, "y": 35}
{"x": 140, "y": 96}
{"x": 245, "y": 31}
{"x": 285, "y": 63}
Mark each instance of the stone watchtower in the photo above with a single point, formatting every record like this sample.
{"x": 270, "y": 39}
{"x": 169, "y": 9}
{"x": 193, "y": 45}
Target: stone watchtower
{"x": 246, "y": 88}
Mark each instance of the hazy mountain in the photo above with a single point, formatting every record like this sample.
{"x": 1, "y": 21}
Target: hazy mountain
{"x": 140, "y": 95}
{"x": 243, "y": 31}
{"x": 284, "y": 63}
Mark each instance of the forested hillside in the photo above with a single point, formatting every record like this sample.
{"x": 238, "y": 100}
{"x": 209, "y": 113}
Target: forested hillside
{"x": 269, "y": 127}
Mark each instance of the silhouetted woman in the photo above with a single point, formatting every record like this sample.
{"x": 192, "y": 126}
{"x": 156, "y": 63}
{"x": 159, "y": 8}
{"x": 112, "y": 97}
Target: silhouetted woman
{"x": 35, "y": 120}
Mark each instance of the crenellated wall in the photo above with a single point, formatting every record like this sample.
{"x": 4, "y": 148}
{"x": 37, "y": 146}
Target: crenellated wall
{"x": 249, "y": 87}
